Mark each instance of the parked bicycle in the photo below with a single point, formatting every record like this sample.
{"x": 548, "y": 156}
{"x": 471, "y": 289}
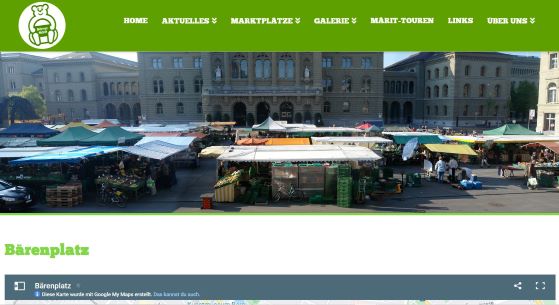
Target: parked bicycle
{"x": 288, "y": 192}
{"x": 110, "y": 196}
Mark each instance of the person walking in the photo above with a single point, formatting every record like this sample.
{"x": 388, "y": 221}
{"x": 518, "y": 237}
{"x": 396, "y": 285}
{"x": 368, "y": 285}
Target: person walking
{"x": 483, "y": 158}
{"x": 453, "y": 165}
{"x": 440, "y": 168}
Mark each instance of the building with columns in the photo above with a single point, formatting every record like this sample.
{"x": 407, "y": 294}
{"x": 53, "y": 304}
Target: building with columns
{"x": 247, "y": 87}
{"x": 548, "y": 102}
{"x": 466, "y": 89}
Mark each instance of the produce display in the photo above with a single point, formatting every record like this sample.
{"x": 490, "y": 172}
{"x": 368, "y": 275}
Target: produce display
{"x": 229, "y": 179}
{"x": 122, "y": 182}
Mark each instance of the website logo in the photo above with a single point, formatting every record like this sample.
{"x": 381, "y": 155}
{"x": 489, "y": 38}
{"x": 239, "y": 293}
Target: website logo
{"x": 42, "y": 25}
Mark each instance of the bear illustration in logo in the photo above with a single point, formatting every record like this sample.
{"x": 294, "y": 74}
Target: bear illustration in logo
{"x": 42, "y": 26}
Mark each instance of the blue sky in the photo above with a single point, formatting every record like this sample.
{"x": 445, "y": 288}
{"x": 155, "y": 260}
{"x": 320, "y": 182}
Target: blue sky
{"x": 389, "y": 57}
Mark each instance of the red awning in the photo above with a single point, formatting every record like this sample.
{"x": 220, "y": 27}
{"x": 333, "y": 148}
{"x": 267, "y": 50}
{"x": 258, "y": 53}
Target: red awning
{"x": 553, "y": 146}
{"x": 364, "y": 126}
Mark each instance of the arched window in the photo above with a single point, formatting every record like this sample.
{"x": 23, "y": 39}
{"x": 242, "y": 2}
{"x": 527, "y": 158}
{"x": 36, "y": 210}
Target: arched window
{"x": 498, "y": 72}
{"x": 497, "y": 90}
{"x": 436, "y": 110}
{"x": 346, "y": 106}
{"x": 159, "y": 108}
{"x": 84, "y": 95}
{"x": 366, "y": 84}
{"x": 552, "y": 93}
{"x": 411, "y": 88}
{"x": 119, "y": 88}
{"x": 496, "y": 111}
{"x": 428, "y": 74}
{"x": 436, "y": 91}
{"x": 286, "y": 67}
{"x": 445, "y": 110}
{"x": 134, "y": 88}
{"x": 480, "y": 110}
{"x": 346, "y": 84}
{"x": 179, "y": 85}
{"x": 398, "y": 87}
{"x": 180, "y": 108}
{"x": 199, "y": 108}
{"x": 465, "y": 113}
{"x": 327, "y": 85}
{"x": 198, "y": 84}
{"x": 428, "y": 110}
{"x": 70, "y": 95}
{"x": 326, "y": 107}
{"x": 445, "y": 91}
{"x": 56, "y": 78}
{"x": 482, "y": 71}
{"x": 57, "y": 96}
{"x": 239, "y": 67}
{"x": 105, "y": 89}
{"x": 467, "y": 70}
{"x": 467, "y": 90}
{"x": 82, "y": 77}
{"x": 68, "y": 77}
{"x": 393, "y": 87}
{"x": 126, "y": 88}
{"x": 437, "y": 73}
{"x": 481, "y": 90}
{"x": 428, "y": 92}
{"x": 405, "y": 87}
{"x": 386, "y": 87}
{"x": 263, "y": 67}
{"x": 445, "y": 71}
{"x": 113, "y": 89}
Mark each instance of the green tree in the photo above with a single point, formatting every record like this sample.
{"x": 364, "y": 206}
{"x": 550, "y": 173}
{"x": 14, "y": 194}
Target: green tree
{"x": 523, "y": 98}
{"x": 32, "y": 94}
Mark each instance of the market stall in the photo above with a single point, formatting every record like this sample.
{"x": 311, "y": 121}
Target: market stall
{"x": 70, "y": 137}
{"x": 299, "y": 172}
{"x": 112, "y": 136}
{"x": 362, "y": 141}
{"x": 35, "y": 130}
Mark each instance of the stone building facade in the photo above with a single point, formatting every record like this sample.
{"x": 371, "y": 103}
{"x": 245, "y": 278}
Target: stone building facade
{"x": 548, "y": 102}
{"x": 18, "y": 70}
{"x": 247, "y": 87}
{"x": 467, "y": 89}
{"x": 86, "y": 85}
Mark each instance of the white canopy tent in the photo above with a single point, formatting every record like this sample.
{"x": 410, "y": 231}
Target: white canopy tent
{"x": 157, "y": 150}
{"x": 325, "y": 130}
{"x": 345, "y": 140}
{"x": 269, "y": 125}
{"x": 178, "y": 141}
{"x": 298, "y": 153}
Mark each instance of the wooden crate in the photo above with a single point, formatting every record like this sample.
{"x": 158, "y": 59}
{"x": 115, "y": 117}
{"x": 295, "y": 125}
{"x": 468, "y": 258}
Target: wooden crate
{"x": 67, "y": 195}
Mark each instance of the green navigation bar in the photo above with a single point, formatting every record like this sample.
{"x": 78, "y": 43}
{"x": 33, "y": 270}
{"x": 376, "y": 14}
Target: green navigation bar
{"x": 290, "y": 25}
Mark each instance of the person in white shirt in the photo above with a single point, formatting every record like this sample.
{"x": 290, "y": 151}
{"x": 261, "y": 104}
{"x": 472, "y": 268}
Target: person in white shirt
{"x": 440, "y": 168}
{"x": 453, "y": 165}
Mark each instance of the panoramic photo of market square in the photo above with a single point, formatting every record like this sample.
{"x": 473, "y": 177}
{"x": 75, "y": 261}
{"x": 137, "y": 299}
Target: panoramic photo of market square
{"x": 279, "y": 132}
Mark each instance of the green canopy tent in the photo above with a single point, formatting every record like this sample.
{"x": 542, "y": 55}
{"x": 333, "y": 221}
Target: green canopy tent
{"x": 421, "y": 139}
{"x": 510, "y": 129}
{"x": 70, "y": 137}
{"x": 112, "y": 136}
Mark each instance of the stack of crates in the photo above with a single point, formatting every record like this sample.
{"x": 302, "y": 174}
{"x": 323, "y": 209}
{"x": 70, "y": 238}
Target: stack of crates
{"x": 344, "y": 186}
